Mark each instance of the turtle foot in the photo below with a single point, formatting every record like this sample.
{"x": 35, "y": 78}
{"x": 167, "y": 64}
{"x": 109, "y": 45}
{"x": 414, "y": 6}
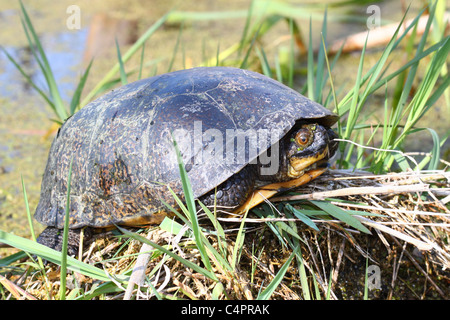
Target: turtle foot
{"x": 53, "y": 238}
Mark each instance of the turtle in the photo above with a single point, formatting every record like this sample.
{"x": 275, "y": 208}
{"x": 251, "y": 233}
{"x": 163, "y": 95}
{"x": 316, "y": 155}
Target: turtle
{"x": 241, "y": 136}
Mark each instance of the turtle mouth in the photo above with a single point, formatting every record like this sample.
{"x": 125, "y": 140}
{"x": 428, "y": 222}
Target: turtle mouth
{"x": 299, "y": 165}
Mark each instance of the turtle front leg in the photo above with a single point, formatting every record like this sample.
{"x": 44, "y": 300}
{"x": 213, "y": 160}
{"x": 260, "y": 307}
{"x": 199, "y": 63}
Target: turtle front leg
{"x": 233, "y": 192}
{"x": 265, "y": 192}
{"x": 53, "y": 238}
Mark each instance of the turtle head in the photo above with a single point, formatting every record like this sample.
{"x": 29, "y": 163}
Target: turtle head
{"x": 308, "y": 147}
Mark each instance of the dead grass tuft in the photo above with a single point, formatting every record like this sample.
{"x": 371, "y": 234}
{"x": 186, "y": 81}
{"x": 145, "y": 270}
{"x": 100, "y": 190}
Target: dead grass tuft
{"x": 409, "y": 221}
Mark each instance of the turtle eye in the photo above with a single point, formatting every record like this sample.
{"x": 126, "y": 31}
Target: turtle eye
{"x": 303, "y": 137}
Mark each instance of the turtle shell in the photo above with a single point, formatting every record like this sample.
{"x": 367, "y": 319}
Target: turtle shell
{"x": 121, "y": 145}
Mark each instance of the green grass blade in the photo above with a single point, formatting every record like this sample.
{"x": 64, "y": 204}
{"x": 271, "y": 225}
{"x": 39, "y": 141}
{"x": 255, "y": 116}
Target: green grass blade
{"x": 221, "y": 241}
{"x": 438, "y": 92}
{"x": 329, "y": 68}
{"x": 291, "y": 54}
{"x": 44, "y": 64}
{"x": 303, "y": 276}
{"x": 341, "y": 215}
{"x": 175, "y": 50}
{"x": 259, "y": 30}
{"x": 354, "y": 109}
{"x": 141, "y": 63}
{"x": 123, "y": 74}
{"x": 27, "y": 208}
{"x": 185, "y": 262}
{"x": 30, "y": 220}
{"x": 294, "y": 243}
{"x": 373, "y": 73}
{"x": 344, "y": 103}
{"x": 190, "y": 202}
{"x": 316, "y": 287}
{"x": 392, "y": 139}
{"x": 278, "y": 70}
{"x": 29, "y": 80}
{"x": 310, "y": 65}
{"x": 237, "y": 250}
{"x": 75, "y": 101}
{"x": 264, "y": 62}
{"x": 244, "y": 63}
{"x": 302, "y": 217}
{"x": 45, "y": 71}
{"x": 6, "y": 261}
{"x": 330, "y": 282}
{"x": 366, "y": 281}
{"x": 51, "y": 255}
{"x": 217, "y": 291}
{"x": 410, "y": 63}
{"x": 173, "y": 227}
{"x": 419, "y": 103}
{"x": 214, "y": 221}
{"x": 218, "y": 54}
{"x": 266, "y": 293}
{"x": 320, "y": 63}
{"x": 182, "y": 207}
{"x": 333, "y": 91}
{"x": 435, "y": 152}
{"x": 246, "y": 28}
{"x": 99, "y": 290}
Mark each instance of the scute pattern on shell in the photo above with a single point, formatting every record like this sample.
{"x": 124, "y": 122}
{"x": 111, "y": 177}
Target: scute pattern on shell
{"x": 123, "y": 157}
